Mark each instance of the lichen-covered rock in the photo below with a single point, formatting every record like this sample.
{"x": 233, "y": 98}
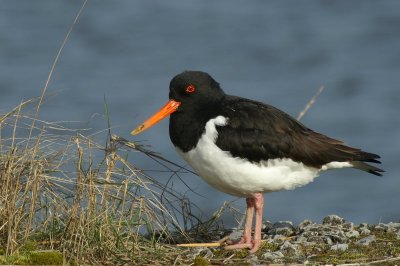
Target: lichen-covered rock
{"x": 327, "y": 233}
{"x": 304, "y": 224}
{"x": 393, "y": 227}
{"x": 203, "y": 252}
{"x": 290, "y": 249}
{"x": 252, "y": 259}
{"x": 389, "y": 227}
{"x": 284, "y": 228}
{"x": 366, "y": 240}
{"x": 340, "y": 247}
{"x": 348, "y": 226}
{"x": 273, "y": 256}
{"x": 333, "y": 220}
{"x": 266, "y": 226}
{"x": 364, "y": 230}
{"x": 381, "y": 227}
{"x": 301, "y": 239}
{"x": 352, "y": 234}
{"x": 236, "y": 235}
{"x": 328, "y": 241}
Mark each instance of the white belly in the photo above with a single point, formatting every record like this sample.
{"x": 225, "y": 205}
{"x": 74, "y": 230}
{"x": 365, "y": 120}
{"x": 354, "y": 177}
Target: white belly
{"x": 239, "y": 177}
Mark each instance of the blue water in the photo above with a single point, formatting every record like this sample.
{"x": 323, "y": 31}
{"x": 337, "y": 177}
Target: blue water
{"x": 277, "y": 52}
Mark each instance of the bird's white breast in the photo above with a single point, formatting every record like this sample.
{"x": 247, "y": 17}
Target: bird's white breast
{"x": 240, "y": 177}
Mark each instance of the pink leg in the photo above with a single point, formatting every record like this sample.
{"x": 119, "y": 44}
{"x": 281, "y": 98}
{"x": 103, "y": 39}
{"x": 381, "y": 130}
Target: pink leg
{"x": 245, "y": 241}
{"x": 249, "y": 221}
{"x": 258, "y": 205}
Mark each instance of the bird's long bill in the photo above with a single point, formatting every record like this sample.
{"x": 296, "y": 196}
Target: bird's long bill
{"x": 167, "y": 109}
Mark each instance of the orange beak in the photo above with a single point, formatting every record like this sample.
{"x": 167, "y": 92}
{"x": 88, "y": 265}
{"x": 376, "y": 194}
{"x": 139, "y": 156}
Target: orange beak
{"x": 168, "y": 109}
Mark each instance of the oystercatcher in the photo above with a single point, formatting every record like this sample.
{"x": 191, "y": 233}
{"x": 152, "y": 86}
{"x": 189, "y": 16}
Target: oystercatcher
{"x": 246, "y": 148}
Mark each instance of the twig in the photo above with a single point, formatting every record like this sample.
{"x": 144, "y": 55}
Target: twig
{"x": 228, "y": 258}
{"x": 311, "y": 102}
{"x": 198, "y": 245}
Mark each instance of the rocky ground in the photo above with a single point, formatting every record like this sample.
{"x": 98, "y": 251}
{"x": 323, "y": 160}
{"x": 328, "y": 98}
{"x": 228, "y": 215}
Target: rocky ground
{"x": 334, "y": 241}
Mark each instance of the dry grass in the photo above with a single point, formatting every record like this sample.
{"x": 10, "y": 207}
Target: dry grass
{"x": 63, "y": 191}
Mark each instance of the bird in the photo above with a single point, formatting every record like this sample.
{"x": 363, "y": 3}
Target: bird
{"x": 246, "y": 148}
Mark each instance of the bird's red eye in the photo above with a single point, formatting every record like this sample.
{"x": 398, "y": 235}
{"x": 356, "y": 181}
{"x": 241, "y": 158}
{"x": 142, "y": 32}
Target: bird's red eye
{"x": 190, "y": 89}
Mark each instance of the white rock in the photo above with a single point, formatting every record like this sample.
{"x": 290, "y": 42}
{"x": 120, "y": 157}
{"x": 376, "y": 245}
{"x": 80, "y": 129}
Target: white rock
{"x": 352, "y": 234}
{"x": 333, "y": 220}
{"x": 364, "y": 231}
{"x": 340, "y": 247}
{"x": 290, "y": 249}
{"x": 273, "y": 255}
{"x": 366, "y": 240}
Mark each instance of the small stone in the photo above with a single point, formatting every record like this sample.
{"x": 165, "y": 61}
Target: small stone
{"x": 393, "y": 227}
{"x": 352, "y": 234}
{"x": 278, "y": 237}
{"x": 301, "y": 239}
{"x": 338, "y": 236}
{"x": 290, "y": 249}
{"x": 273, "y": 255}
{"x": 286, "y": 245}
{"x": 253, "y": 259}
{"x": 208, "y": 254}
{"x": 282, "y": 224}
{"x": 317, "y": 239}
{"x": 286, "y": 231}
{"x": 308, "y": 234}
{"x": 236, "y": 234}
{"x": 363, "y": 225}
{"x": 284, "y": 228}
{"x": 348, "y": 226}
{"x": 333, "y": 220}
{"x": 364, "y": 231}
{"x": 328, "y": 240}
{"x": 340, "y": 247}
{"x": 203, "y": 252}
{"x": 366, "y": 240}
{"x": 311, "y": 231}
{"x": 305, "y": 224}
{"x": 266, "y": 226}
{"x": 381, "y": 227}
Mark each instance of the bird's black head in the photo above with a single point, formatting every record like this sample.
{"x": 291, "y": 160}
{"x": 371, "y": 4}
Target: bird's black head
{"x": 194, "y": 90}
{"x": 195, "y": 95}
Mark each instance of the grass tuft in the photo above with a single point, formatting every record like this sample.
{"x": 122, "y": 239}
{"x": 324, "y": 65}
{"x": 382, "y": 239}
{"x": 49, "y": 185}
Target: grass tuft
{"x": 85, "y": 201}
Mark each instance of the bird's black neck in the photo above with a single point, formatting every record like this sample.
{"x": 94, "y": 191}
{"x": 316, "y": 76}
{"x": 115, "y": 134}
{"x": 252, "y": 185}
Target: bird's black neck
{"x": 186, "y": 128}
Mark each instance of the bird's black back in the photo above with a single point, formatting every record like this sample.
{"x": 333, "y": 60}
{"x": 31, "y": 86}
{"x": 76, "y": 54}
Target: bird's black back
{"x": 258, "y": 131}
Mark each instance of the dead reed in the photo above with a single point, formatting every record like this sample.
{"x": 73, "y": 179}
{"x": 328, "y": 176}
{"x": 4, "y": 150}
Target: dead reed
{"x": 61, "y": 190}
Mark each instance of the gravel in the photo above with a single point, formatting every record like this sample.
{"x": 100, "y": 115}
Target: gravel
{"x": 334, "y": 233}
{"x": 287, "y": 242}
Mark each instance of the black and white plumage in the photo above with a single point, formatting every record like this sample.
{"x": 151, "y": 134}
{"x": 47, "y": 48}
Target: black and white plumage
{"x": 245, "y": 148}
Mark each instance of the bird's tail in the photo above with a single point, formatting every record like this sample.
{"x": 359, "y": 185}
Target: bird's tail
{"x": 362, "y": 163}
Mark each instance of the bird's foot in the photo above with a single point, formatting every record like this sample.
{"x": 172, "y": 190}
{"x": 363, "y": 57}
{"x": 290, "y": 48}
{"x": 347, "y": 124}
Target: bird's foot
{"x": 256, "y": 245}
{"x": 252, "y": 245}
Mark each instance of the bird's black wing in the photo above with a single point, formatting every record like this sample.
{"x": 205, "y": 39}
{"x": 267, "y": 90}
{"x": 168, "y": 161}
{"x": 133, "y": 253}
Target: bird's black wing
{"x": 257, "y": 132}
